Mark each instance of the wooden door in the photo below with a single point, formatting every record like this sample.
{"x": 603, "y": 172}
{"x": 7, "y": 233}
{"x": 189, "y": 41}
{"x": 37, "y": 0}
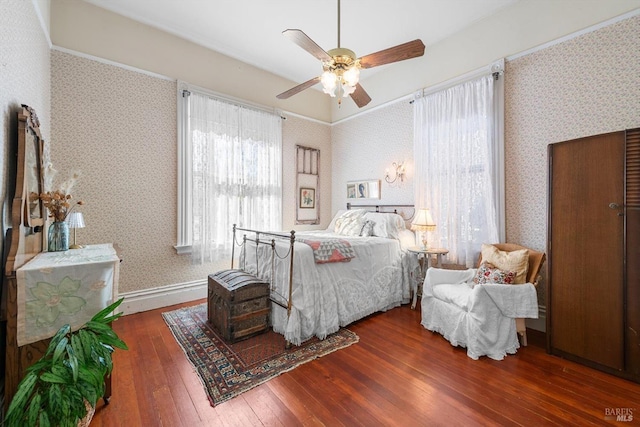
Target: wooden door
{"x": 586, "y": 249}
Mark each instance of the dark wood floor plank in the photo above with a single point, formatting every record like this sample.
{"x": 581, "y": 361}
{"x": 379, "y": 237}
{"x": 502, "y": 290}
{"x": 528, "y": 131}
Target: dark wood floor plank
{"x": 268, "y": 408}
{"x": 175, "y": 386}
{"x": 398, "y": 374}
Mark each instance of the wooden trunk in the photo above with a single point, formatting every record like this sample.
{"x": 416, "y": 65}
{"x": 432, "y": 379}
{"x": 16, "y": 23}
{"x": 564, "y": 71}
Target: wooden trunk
{"x": 238, "y": 304}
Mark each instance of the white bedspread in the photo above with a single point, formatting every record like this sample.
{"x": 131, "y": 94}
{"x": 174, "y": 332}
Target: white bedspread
{"x": 328, "y": 296}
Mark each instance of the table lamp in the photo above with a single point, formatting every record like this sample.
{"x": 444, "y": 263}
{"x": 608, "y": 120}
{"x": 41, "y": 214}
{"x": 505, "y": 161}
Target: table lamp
{"x": 423, "y": 223}
{"x": 75, "y": 220}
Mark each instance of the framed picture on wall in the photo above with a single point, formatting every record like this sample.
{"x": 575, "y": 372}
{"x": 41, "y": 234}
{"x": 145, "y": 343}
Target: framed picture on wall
{"x": 307, "y": 185}
{"x": 307, "y": 198}
{"x": 363, "y": 189}
{"x": 351, "y": 190}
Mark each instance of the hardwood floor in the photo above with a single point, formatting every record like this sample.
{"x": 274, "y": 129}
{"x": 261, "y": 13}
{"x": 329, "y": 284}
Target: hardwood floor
{"x": 397, "y": 374}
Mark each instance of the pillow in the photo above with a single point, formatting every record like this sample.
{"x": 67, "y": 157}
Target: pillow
{"x": 350, "y": 223}
{"x": 517, "y": 261}
{"x": 332, "y": 224}
{"x": 386, "y": 225}
{"x": 407, "y": 239}
{"x": 488, "y": 273}
{"x": 367, "y": 228}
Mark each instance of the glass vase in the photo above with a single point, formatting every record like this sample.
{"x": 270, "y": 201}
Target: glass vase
{"x": 58, "y": 236}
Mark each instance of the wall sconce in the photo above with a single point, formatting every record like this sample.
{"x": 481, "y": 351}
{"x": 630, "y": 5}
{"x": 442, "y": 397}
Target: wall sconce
{"x": 398, "y": 173}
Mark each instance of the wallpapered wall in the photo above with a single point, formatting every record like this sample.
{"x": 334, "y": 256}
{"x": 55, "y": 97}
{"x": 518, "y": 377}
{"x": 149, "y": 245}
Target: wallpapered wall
{"x": 117, "y": 127}
{"x": 24, "y": 79}
{"x": 584, "y": 86}
{"x": 365, "y": 146}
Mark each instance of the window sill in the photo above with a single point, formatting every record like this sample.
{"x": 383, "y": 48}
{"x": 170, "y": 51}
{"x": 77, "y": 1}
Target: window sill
{"x": 183, "y": 249}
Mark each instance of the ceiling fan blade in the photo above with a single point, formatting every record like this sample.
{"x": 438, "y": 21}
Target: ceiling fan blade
{"x": 299, "y": 88}
{"x": 360, "y": 97}
{"x": 401, "y": 52}
{"x": 305, "y": 42}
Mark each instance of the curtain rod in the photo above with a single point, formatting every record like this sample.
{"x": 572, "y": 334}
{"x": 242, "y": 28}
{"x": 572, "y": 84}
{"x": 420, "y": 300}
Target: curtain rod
{"x": 496, "y": 69}
{"x": 186, "y": 89}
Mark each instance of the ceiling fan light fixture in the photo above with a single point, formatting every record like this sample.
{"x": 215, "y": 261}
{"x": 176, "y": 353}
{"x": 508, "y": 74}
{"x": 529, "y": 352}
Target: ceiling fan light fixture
{"x": 329, "y": 82}
{"x": 342, "y": 67}
{"x": 352, "y": 75}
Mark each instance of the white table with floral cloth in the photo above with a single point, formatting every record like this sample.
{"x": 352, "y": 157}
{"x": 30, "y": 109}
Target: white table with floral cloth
{"x": 67, "y": 287}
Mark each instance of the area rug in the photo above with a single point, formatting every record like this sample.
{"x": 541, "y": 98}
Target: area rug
{"x": 227, "y": 370}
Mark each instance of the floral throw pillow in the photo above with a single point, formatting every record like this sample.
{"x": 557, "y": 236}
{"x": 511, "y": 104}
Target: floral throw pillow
{"x": 488, "y": 273}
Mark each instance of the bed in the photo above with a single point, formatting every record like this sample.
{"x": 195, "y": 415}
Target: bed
{"x": 358, "y": 266}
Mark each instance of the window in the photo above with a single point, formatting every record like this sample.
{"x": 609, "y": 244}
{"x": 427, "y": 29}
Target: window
{"x": 230, "y": 172}
{"x": 459, "y": 155}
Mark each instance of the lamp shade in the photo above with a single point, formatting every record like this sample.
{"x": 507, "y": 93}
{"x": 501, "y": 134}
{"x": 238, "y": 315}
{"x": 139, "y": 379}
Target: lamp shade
{"x": 423, "y": 221}
{"x": 75, "y": 220}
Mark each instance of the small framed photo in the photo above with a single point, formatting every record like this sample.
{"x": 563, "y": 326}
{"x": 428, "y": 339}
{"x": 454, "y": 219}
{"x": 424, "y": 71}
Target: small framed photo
{"x": 307, "y": 198}
{"x": 362, "y": 190}
{"x": 351, "y": 191}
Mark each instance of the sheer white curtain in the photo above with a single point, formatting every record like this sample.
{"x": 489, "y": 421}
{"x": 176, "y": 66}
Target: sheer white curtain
{"x": 236, "y": 173}
{"x": 455, "y": 150}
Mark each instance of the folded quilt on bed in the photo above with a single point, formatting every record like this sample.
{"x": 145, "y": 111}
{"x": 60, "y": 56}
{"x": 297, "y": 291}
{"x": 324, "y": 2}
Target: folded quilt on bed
{"x": 330, "y": 250}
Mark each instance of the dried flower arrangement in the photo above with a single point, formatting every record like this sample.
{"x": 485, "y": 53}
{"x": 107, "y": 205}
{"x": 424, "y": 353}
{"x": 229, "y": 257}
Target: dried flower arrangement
{"x": 58, "y": 202}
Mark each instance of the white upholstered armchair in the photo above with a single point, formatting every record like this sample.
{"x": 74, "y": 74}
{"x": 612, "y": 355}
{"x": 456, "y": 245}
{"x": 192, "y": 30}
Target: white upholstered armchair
{"x": 483, "y": 309}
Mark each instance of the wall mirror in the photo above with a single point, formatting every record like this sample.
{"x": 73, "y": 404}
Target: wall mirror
{"x": 30, "y": 146}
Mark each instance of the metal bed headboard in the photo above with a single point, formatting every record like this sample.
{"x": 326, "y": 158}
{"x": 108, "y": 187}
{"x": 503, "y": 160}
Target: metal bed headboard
{"x": 384, "y": 208}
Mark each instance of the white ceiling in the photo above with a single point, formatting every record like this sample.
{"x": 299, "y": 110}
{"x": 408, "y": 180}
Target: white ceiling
{"x": 251, "y": 30}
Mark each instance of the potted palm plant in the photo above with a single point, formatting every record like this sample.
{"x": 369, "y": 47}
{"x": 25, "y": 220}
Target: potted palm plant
{"x": 62, "y": 388}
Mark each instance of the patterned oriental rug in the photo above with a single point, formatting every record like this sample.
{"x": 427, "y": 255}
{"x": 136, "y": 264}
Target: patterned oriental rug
{"x": 227, "y": 370}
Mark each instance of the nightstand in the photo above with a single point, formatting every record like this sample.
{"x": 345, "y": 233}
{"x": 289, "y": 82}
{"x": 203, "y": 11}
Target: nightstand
{"x": 425, "y": 258}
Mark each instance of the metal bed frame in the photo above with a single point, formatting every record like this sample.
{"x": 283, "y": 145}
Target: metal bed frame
{"x": 269, "y": 239}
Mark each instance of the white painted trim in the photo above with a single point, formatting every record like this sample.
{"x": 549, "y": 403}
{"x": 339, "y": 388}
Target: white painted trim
{"x": 469, "y": 75}
{"x": 45, "y": 28}
{"x": 300, "y": 116}
{"x": 377, "y": 107}
{"x": 115, "y": 64}
{"x": 499, "y": 157}
{"x": 164, "y": 296}
{"x": 184, "y": 223}
{"x": 576, "y": 34}
{"x": 539, "y": 324}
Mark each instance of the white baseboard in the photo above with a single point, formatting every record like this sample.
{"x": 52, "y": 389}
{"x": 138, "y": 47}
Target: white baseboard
{"x": 150, "y": 299}
{"x": 539, "y": 324}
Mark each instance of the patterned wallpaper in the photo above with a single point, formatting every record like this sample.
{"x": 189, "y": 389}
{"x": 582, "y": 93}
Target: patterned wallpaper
{"x": 584, "y": 86}
{"x": 24, "y": 79}
{"x": 365, "y": 146}
{"x": 117, "y": 127}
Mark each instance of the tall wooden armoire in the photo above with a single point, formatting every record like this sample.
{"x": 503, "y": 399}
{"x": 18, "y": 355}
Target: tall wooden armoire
{"x": 593, "y": 295}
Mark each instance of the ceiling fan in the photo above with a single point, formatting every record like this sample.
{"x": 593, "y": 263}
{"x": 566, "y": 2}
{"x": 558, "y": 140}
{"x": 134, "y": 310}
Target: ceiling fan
{"x": 342, "y": 68}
